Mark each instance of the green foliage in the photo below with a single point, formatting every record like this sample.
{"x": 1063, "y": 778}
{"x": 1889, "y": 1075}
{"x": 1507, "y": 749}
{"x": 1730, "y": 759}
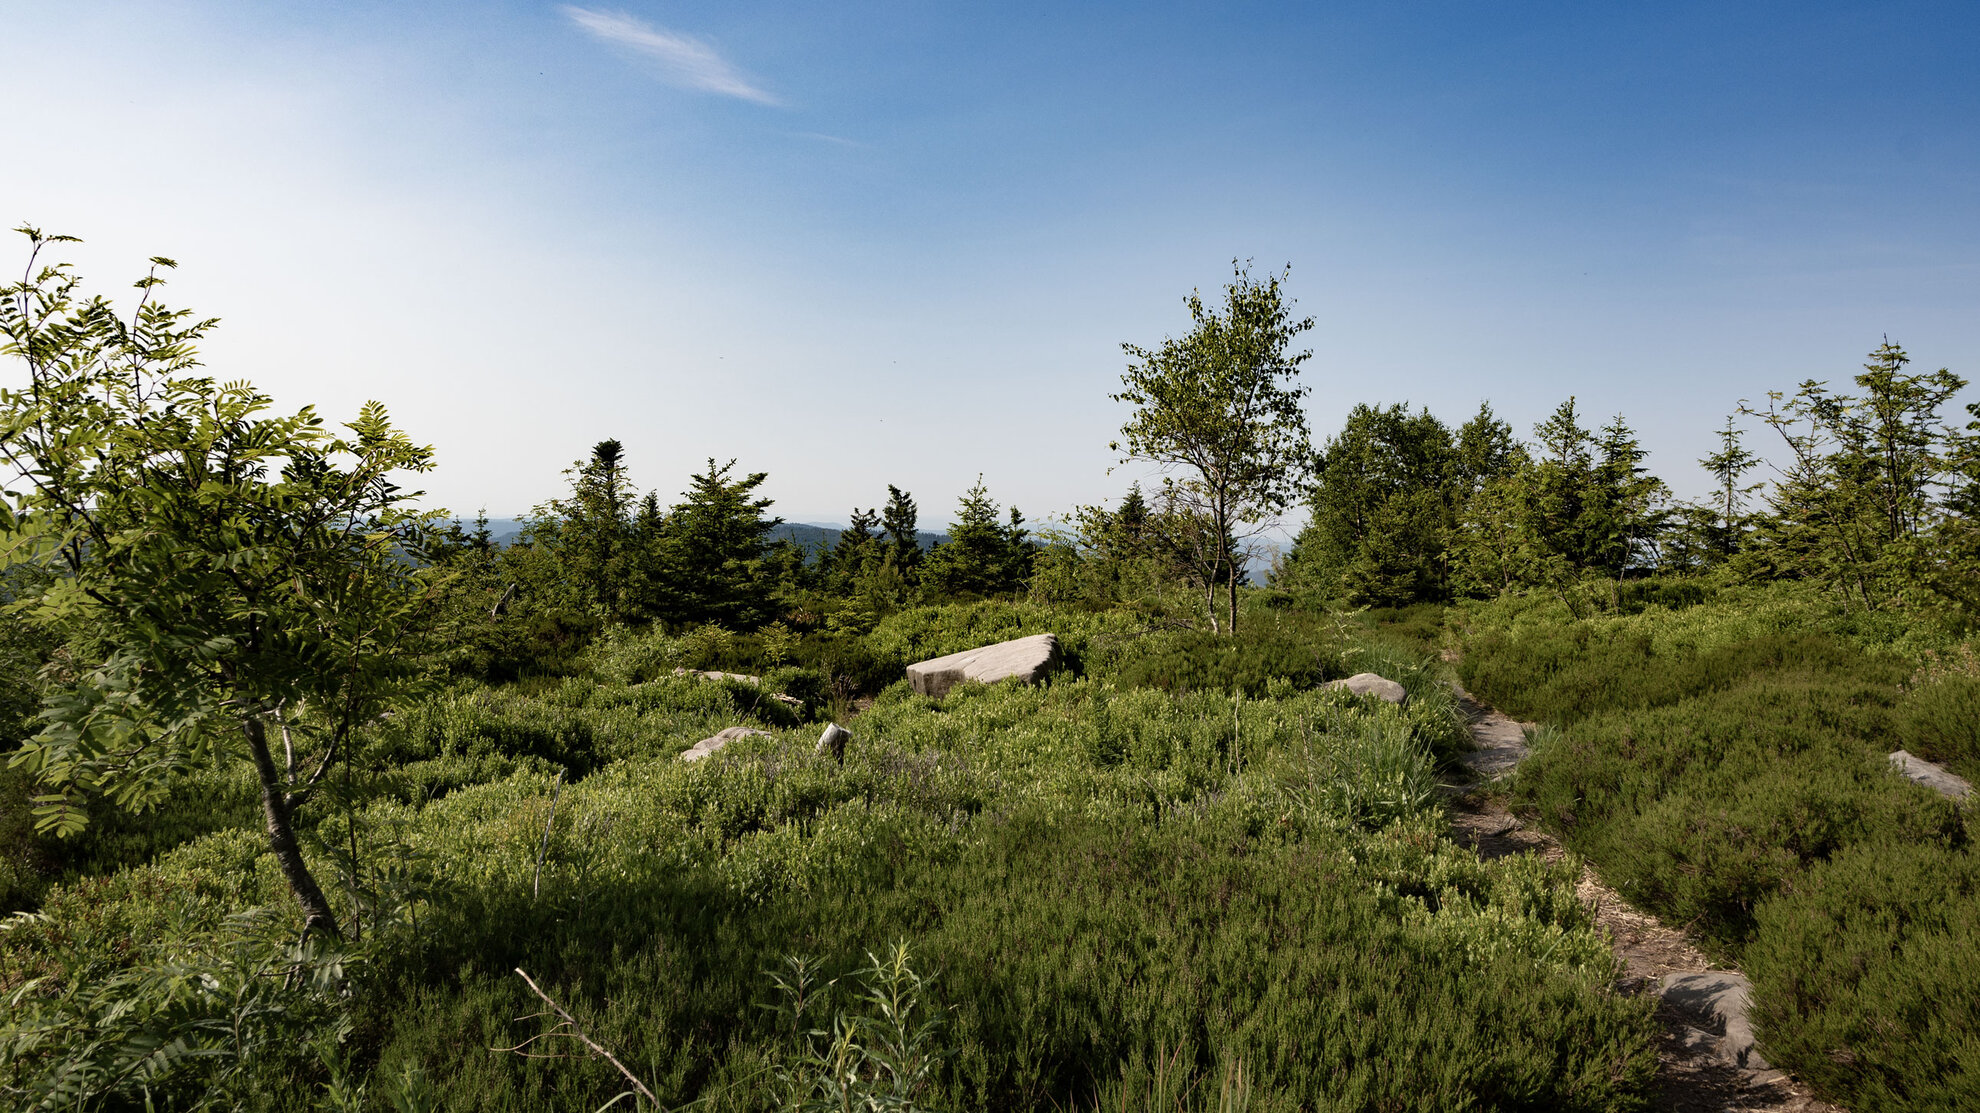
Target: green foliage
{"x": 926, "y": 632}
{"x": 1384, "y": 502}
{"x": 1724, "y": 767}
{"x": 1218, "y": 403}
{"x": 716, "y": 545}
{"x": 193, "y": 1028}
{"x": 219, "y": 574}
{"x": 600, "y": 548}
{"x": 1256, "y": 661}
{"x": 1723, "y": 536}
{"x": 1939, "y": 720}
{"x": 1109, "y": 558}
{"x": 1865, "y": 976}
{"x": 903, "y": 541}
{"x": 983, "y": 556}
{"x": 1854, "y": 510}
{"x": 881, "y": 1058}
{"x": 1093, "y": 876}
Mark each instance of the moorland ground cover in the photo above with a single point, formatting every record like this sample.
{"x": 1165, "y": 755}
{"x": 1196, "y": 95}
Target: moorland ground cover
{"x": 319, "y": 800}
{"x": 1724, "y": 764}
{"x": 1109, "y": 887}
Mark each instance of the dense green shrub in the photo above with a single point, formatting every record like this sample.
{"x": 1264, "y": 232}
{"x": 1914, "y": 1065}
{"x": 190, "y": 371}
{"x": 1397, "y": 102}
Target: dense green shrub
{"x": 24, "y": 856}
{"x": 1700, "y": 809}
{"x": 1729, "y": 774}
{"x": 1571, "y": 672}
{"x": 1419, "y": 626}
{"x": 925, "y": 632}
{"x": 1197, "y": 660}
{"x": 1096, "y": 878}
{"x": 1940, "y": 720}
{"x": 1867, "y": 976}
{"x": 1636, "y": 596}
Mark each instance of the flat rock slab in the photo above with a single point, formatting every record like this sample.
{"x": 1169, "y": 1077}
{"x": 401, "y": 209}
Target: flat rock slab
{"x": 1717, "y": 1003}
{"x": 1931, "y": 775}
{"x": 718, "y": 740}
{"x": 711, "y": 674}
{"x": 1501, "y": 742}
{"x": 1028, "y": 659}
{"x": 1370, "y": 684}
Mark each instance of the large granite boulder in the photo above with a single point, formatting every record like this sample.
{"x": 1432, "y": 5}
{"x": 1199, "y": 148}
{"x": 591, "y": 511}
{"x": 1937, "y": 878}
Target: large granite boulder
{"x": 1369, "y": 684}
{"x": 1028, "y": 659}
{"x": 1931, "y": 775}
{"x": 718, "y": 740}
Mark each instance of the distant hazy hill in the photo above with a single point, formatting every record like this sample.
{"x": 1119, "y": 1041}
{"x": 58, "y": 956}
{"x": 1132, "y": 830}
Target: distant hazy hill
{"x": 811, "y": 537}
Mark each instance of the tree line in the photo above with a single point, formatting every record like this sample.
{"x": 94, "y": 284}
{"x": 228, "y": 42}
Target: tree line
{"x": 1872, "y": 497}
{"x": 604, "y": 555}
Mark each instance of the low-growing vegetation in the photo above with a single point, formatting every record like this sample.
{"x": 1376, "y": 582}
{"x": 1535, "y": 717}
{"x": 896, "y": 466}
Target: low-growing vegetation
{"x": 1104, "y": 887}
{"x": 1725, "y": 767}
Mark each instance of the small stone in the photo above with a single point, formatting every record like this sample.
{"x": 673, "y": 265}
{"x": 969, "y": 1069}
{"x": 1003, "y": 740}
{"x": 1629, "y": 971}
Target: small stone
{"x": 718, "y": 740}
{"x": 1932, "y": 775}
{"x": 1028, "y": 659}
{"x": 833, "y": 742}
{"x": 1369, "y": 684}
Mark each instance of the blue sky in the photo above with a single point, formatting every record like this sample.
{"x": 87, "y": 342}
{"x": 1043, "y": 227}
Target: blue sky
{"x": 870, "y": 243}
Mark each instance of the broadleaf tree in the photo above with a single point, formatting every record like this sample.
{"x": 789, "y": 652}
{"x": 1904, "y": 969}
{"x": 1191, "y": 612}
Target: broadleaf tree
{"x": 1219, "y": 404}
{"x": 231, "y": 583}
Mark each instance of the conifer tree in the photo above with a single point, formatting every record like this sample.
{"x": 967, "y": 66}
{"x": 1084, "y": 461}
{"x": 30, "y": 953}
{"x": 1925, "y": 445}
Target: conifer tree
{"x": 592, "y": 528}
{"x": 982, "y": 556}
{"x": 1728, "y": 465}
{"x": 716, "y": 540}
{"x": 899, "y": 520}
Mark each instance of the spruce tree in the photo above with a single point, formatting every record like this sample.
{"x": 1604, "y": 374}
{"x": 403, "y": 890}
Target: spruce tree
{"x": 716, "y": 540}
{"x": 899, "y": 519}
{"x": 1727, "y": 465}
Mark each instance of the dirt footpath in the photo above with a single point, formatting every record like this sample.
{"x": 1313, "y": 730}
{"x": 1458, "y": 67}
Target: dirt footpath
{"x": 1706, "y": 1061}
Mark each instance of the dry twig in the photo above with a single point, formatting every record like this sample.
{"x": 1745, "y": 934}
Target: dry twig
{"x": 566, "y": 1020}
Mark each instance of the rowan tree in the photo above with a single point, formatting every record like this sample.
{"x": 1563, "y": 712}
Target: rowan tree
{"x": 231, "y": 583}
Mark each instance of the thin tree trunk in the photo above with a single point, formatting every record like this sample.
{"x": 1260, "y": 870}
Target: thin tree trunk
{"x": 1232, "y": 570}
{"x": 1226, "y": 561}
{"x": 276, "y": 812}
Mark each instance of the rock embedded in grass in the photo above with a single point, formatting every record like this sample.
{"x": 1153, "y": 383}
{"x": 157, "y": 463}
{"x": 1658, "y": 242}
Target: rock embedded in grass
{"x": 1028, "y": 659}
{"x": 1369, "y": 684}
{"x": 718, "y": 740}
{"x": 1720, "y": 1000}
{"x": 1931, "y": 775}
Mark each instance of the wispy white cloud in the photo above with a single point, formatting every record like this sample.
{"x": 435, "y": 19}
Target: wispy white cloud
{"x": 840, "y": 140}
{"x": 686, "y": 61}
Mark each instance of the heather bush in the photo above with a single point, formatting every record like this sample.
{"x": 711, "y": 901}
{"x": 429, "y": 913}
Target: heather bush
{"x": 1867, "y": 976}
{"x": 1939, "y": 719}
{"x": 1728, "y": 773}
{"x": 1094, "y": 878}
